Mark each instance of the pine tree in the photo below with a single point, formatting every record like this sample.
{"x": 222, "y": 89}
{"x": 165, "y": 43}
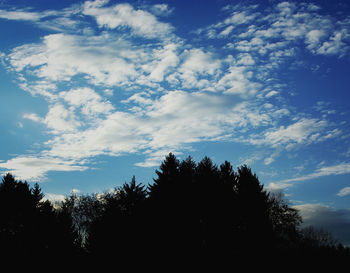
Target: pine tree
{"x": 130, "y": 195}
{"x": 37, "y": 194}
{"x": 164, "y": 185}
{"x": 255, "y": 228}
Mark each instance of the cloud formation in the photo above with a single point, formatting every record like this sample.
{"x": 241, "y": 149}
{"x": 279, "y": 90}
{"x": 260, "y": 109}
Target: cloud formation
{"x": 336, "y": 221}
{"x": 338, "y": 169}
{"x": 139, "y": 21}
{"x": 293, "y": 22}
{"x": 118, "y": 80}
{"x": 344, "y": 192}
{"x": 34, "y": 168}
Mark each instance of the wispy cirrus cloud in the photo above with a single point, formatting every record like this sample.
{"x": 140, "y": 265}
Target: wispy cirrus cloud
{"x": 338, "y": 169}
{"x": 25, "y": 15}
{"x": 35, "y": 167}
{"x": 55, "y": 20}
{"x": 344, "y": 192}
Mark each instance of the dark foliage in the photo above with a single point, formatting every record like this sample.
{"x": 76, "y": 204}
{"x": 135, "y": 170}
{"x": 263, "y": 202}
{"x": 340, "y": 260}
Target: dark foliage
{"x": 192, "y": 211}
{"x": 31, "y": 227}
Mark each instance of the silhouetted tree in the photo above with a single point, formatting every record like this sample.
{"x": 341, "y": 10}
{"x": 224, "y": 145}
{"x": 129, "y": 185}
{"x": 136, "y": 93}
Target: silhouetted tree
{"x": 255, "y": 227}
{"x": 130, "y": 196}
{"x": 37, "y": 194}
{"x": 168, "y": 176}
{"x": 285, "y": 221}
{"x": 317, "y": 238}
{"x": 116, "y": 231}
{"x": 207, "y": 202}
{"x": 29, "y": 226}
{"x": 17, "y": 208}
{"x": 191, "y": 210}
{"x": 83, "y": 210}
{"x": 69, "y": 234}
{"x": 205, "y": 209}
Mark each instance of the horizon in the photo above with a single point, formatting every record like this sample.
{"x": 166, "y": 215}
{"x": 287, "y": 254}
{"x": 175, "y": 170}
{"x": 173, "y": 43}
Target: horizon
{"x": 94, "y": 92}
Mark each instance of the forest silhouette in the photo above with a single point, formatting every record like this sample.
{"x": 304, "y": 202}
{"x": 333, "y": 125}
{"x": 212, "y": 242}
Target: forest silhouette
{"x": 191, "y": 211}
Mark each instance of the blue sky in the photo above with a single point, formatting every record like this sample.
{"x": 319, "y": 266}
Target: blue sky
{"x": 93, "y": 92}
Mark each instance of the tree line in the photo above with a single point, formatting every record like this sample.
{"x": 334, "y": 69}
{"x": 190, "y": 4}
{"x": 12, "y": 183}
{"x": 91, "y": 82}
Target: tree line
{"x": 191, "y": 210}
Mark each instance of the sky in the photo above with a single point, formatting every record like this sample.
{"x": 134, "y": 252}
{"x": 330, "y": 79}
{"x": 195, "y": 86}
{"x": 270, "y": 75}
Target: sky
{"x": 94, "y": 92}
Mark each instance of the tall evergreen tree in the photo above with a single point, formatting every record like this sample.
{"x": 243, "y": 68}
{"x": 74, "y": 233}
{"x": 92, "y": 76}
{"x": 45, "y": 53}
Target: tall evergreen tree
{"x": 17, "y": 210}
{"x": 255, "y": 228}
{"x": 130, "y": 195}
{"x": 168, "y": 175}
{"x": 37, "y": 194}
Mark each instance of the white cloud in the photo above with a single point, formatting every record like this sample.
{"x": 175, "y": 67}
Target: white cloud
{"x": 235, "y": 19}
{"x": 42, "y": 87}
{"x": 226, "y": 31}
{"x": 294, "y": 23}
{"x": 197, "y": 64}
{"x": 336, "y": 45}
{"x": 312, "y": 7}
{"x": 60, "y": 57}
{"x": 90, "y": 102}
{"x": 339, "y": 169}
{"x": 276, "y": 187}
{"x": 255, "y": 44}
{"x": 33, "y": 117}
{"x": 238, "y": 81}
{"x": 140, "y": 99}
{"x": 57, "y": 20}
{"x": 304, "y": 131}
{"x": 344, "y": 191}
{"x": 27, "y": 55}
{"x": 154, "y": 158}
{"x": 313, "y": 38}
{"x": 20, "y": 15}
{"x": 169, "y": 123}
{"x": 336, "y": 221}
{"x": 201, "y": 62}
{"x": 188, "y": 117}
{"x": 161, "y": 10}
{"x": 286, "y": 8}
{"x": 250, "y": 159}
{"x": 117, "y": 134}
{"x": 271, "y": 94}
{"x": 165, "y": 60}
{"x": 245, "y": 59}
{"x": 141, "y": 22}
{"x": 166, "y": 81}
{"x": 268, "y": 160}
{"x": 54, "y": 198}
{"x": 58, "y": 119}
{"x": 298, "y": 132}
{"x": 34, "y": 168}
{"x": 108, "y": 92}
